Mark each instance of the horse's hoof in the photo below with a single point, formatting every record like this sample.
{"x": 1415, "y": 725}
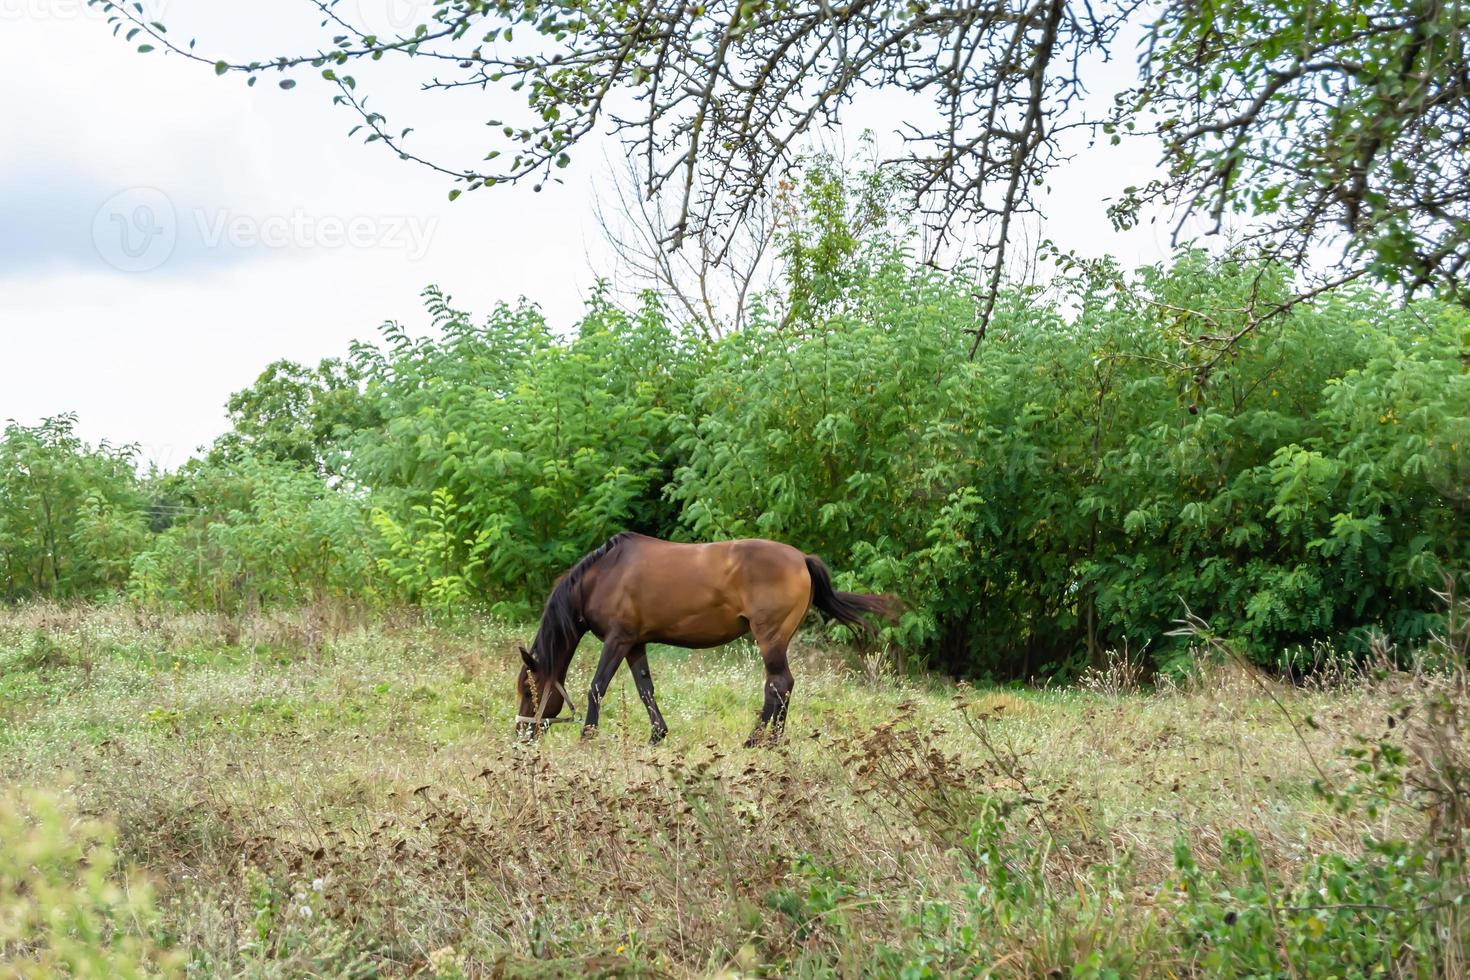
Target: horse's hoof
{"x": 589, "y": 731}
{"x": 658, "y": 736}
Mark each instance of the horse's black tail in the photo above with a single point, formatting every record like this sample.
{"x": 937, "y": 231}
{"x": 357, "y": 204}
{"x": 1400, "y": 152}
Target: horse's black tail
{"x": 851, "y": 609}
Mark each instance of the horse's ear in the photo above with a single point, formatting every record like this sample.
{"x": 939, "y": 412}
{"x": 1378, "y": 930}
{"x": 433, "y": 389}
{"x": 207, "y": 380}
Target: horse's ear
{"x": 526, "y": 659}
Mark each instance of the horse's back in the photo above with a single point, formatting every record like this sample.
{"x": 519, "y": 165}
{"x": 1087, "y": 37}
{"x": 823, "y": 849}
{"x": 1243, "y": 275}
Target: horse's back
{"x": 736, "y": 557}
{"x": 691, "y": 594}
{"x": 761, "y": 554}
{"x": 738, "y": 565}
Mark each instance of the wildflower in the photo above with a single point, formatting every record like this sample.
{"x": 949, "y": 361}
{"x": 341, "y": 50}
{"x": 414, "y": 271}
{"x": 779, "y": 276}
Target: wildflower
{"x": 317, "y": 885}
{"x": 304, "y": 911}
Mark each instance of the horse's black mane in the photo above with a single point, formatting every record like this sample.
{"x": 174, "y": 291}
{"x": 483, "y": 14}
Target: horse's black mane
{"x": 561, "y": 619}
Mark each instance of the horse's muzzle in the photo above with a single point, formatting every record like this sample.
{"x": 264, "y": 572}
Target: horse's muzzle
{"x": 529, "y": 728}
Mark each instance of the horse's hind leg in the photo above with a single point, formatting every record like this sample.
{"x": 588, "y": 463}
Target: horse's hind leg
{"x": 638, "y": 664}
{"x": 776, "y": 597}
{"x": 779, "y": 684}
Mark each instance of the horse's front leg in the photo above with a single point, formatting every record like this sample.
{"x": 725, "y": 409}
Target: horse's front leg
{"x": 638, "y": 664}
{"x": 614, "y": 648}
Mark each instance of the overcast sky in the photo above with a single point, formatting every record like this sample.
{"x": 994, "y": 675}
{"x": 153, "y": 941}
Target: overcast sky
{"x": 165, "y": 234}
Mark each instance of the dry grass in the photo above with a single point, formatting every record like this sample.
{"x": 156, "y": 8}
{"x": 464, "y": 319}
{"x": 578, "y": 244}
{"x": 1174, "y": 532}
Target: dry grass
{"x": 315, "y": 795}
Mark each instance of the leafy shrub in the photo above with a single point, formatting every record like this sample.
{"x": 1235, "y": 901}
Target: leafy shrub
{"x": 297, "y": 414}
{"x": 508, "y": 454}
{"x": 258, "y": 533}
{"x": 71, "y": 515}
{"x": 1060, "y": 495}
{"x": 427, "y": 563}
{"x": 1370, "y": 915}
{"x": 65, "y": 910}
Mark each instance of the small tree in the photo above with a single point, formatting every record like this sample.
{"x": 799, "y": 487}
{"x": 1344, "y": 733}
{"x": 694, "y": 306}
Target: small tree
{"x": 71, "y": 515}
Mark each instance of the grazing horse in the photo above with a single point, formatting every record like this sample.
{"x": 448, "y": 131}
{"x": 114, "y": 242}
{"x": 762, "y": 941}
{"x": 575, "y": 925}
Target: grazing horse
{"x": 636, "y": 590}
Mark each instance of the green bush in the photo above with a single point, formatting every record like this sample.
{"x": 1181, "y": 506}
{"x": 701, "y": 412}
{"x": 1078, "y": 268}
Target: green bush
{"x": 1075, "y": 486}
{"x": 507, "y": 454}
{"x": 65, "y": 909}
{"x": 71, "y": 515}
{"x": 257, "y": 533}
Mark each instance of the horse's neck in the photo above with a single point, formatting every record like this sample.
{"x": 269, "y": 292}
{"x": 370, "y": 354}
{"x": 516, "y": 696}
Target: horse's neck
{"x": 579, "y": 600}
{"x": 582, "y": 597}
{"x": 579, "y": 628}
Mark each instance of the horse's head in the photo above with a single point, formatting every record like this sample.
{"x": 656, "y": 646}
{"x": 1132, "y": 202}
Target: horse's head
{"x": 539, "y": 694}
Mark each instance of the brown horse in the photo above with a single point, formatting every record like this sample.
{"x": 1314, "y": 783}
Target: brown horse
{"x": 636, "y": 590}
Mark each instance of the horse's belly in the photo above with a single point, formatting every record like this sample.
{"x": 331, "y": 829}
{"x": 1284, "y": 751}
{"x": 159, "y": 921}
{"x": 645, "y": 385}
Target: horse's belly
{"x": 698, "y": 630}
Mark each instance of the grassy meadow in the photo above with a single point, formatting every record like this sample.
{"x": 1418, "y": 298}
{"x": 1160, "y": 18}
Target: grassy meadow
{"x": 304, "y": 796}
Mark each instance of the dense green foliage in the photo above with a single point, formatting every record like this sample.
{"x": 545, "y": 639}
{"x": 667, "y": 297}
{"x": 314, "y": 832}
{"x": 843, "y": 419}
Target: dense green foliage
{"x": 509, "y": 453}
{"x": 295, "y": 414}
{"x": 71, "y": 515}
{"x": 1072, "y": 489}
{"x": 258, "y": 532}
{"x": 1065, "y": 493}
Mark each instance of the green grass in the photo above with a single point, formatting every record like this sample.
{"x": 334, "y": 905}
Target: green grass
{"x": 368, "y": 775}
